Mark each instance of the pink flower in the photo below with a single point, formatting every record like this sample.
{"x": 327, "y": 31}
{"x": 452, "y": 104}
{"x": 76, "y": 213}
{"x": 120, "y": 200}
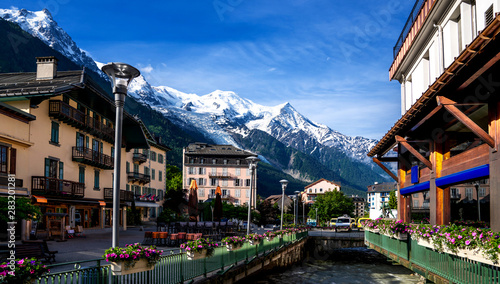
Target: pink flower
{"x": 467, "y": 242}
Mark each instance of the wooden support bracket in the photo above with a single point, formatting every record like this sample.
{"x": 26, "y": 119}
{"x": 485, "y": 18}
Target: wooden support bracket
{"x": 377, "y": 161}
{"x": 449, "y": 105}
{"x": 412, "y": 150}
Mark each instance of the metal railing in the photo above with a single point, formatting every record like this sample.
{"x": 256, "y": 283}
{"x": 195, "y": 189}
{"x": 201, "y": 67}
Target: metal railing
{"x": 139, "y": 157}
{"x": 124, "y": 195}
{"x": 409, "y": 23}
{"x": 54, "y": 186}
{"x": 91, "y": 157}
{"x": 454, "y": 268}
{"x": 135, "y": 176}
{"x": 173, "y": 267}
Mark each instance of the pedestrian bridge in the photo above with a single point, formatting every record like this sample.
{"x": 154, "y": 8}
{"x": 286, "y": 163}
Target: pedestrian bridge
{"x": 324, "y": 242}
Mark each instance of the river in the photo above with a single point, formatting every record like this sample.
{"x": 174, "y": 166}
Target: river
{"x": 355, "y": 265}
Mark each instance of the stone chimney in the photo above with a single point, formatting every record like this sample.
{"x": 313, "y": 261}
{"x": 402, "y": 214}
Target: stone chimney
{"x": 46, "y": 68}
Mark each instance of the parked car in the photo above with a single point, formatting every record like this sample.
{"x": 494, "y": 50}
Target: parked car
{"x": 343, "y": 224}
{"x": 333, "y": 221}
{"x": 360, "y": 222}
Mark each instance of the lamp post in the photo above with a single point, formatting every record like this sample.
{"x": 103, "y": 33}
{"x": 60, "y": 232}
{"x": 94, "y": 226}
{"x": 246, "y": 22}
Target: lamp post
{"x": 476, "y": 185}
{"x": 304, "y": 212}
{"x": 297, "y": 206}
{"x": 121, "y": 75}
{"x": 317, "y": 219}
{"x": 252, "y": 165}
{"x": 284, "y": 183}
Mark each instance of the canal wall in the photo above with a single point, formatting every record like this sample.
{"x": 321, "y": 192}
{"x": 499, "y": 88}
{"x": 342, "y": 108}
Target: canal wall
{"x": 294, "y": 254}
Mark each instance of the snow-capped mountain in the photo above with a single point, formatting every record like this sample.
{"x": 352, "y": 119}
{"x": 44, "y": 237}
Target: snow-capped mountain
{"x": 220, "y": 115}
{"x": 40, "y": 24}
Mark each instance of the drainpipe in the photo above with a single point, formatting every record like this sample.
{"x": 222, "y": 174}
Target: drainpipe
{"x": 403, "y": 94}
{"x": 441, "y": 49}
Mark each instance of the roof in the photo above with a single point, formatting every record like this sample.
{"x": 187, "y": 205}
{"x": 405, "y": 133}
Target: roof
{"x": 320, "y": 180}
{"x": 382, "y": 187}
{"x": 16, "y": 113}
{"x": 26, "y": 84}
{"x": 424, "y": 105}
{"x": 152, "y": 140}
{"x": 215, "y": 150}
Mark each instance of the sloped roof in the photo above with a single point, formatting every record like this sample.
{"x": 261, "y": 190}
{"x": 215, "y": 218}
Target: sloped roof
{"x": 320, "y": 180}
{"x": 26, "y": 84}
{"x": 215, "y": 150}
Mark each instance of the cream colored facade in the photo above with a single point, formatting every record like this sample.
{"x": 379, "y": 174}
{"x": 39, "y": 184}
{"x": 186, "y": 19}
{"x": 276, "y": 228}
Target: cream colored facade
{"x": 319, "y": 187}
{"x": 222, "y": 165}
{"x": 60, "y": 150}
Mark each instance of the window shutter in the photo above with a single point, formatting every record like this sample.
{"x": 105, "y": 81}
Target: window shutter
{"x": 13, "y": 156}
{"x": 61, "y": 170}
{"x": 47, "y": 167}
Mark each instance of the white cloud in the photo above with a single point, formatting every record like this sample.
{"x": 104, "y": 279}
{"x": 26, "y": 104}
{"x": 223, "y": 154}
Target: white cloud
{"x": 146, "y": 69}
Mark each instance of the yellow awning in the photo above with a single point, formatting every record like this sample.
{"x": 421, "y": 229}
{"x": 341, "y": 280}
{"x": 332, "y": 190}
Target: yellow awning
{"x": 102, "y": 203}
{"x": 40, "y": 199}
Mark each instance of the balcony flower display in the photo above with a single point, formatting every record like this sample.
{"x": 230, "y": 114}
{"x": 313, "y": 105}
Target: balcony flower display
{"x": 233, "y": 242}
{"x": 132, "y": 258}
{"x": 254, "y": 239}
{"x": 199, "y": 248}
{"x": 269, "y": 235}
{"x": 25, "y": 270}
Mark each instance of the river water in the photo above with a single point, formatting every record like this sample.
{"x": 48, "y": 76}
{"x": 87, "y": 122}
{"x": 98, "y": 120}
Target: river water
{"x": 355, "y": 265}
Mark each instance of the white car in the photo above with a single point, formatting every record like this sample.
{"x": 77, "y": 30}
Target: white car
{"x": 343, "y": 224}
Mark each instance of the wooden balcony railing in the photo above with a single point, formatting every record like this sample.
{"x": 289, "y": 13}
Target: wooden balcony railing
{"x": 70, "y": 115}
{"x": 124, "y": 195}
{"x": 59, "y": 187}
{"x": 140, "y": 157}
{"x": 219, "y": 175}
{"x": 138, "y": 177}
{"x": 94, "y": 158}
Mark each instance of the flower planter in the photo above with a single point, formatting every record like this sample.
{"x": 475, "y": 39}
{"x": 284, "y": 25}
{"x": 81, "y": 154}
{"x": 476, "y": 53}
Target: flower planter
{"x": 425, "y": 243}
{"x": 193, "y": 255}
{"x": 269, "y": 239}
{"x": 119, "y": 268}
{"x": 254, "y": 242}
{"x": 232, "y": 247}
{"x": 400, "y": 236}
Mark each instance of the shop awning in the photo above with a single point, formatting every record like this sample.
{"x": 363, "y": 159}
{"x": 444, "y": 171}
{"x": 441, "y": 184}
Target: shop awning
{"x": 146, "y": 204}
{"x": 40, "y": 199}
{"x": 102, "y": 203}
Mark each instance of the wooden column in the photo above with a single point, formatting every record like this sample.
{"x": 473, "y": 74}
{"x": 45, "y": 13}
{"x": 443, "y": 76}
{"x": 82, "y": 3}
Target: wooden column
{"x": 440, "y": 210}
{"x": 494, "y": 131}
{"x": 404, "y": 203}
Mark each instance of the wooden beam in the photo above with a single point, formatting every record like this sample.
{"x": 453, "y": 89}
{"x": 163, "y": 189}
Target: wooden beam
{"x": 479, "y": 72}
{"x": 414, "y": 152}
{"x": 427, "y": 117}
{"x": 377, "y": 161}
{"x": 451, "y": 108}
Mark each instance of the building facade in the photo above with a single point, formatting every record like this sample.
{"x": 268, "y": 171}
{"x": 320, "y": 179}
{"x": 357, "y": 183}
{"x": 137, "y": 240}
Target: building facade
{"x": 447, "y": 64}
{"x": 317, "y": 188}
{"x": 56, "y": 141}
{"x": 359, "y": 206}
{"x": 378, "y": 198}
{"x": 219, "y": 165}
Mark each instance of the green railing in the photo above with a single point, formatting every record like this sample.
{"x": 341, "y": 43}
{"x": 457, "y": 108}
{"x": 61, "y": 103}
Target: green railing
{"x": 448, "y": 266}
{"x": 173, "y": 267}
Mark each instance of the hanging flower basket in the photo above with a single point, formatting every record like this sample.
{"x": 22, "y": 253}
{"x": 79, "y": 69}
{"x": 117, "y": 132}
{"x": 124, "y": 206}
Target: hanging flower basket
{"x": 234, "y": 242}
{"x": 233, "y": 247}
{"x": 199, "y": 248}
{"x": 193, "y": 255}
{"x": 121, "y": 268}
{"x": 254, "y": 239}
{"x": 254, "y": 242}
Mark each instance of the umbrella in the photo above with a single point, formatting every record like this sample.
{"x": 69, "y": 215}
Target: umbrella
{"x": 218, "y": 205}
{"x": 193, "y": 201}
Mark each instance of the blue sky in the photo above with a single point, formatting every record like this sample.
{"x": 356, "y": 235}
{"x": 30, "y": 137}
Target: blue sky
{"x": 328, "y": 58}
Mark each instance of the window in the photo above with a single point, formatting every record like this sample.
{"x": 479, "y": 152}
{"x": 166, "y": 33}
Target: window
{"x": 191, "y": 160}
{"x": 320, "y": 190}
{"x": 415, "y": 195}
{"x": 248, "y": 193}
{"x": 136, "y": 168}
{"x": 237, "y": 192}
{"x": 3, "y": 159}
{"x": 238, "y": 171}
{"x": 225, "y": 161}
{"x": 201, "y": 181}
{"x": 201, "y": 192}
{"x": 225, "y": 192}
{"x": 128, "y": 167}
{"x": 482, "y": 192}
{"x": 81, "y": 174}
{"x": 224, "y": 182}
{"x": 190, "y": 180}
{"x": 127, "y": 187}
{"x": 214, "y": 171}
{"x": 202, "y": 161}
{"x": 468, "y": 193}
{"x": 153, "y": 174}
{"x": 247, "y": 182}
{"x": 96, "y": 179}
{"x": 213, "y": 182}
{"x": 415, "y": 203}
{"x": 201, "y": 171}
{"x": 160, "y": 176}
{"x": 54, "y": 133}
{"x": 237, "y": 182}
{"x": 51, "y": 168}
{"x": 214, "y": 161}
{"x": 212, "y": 192}
{"x": 191, "y": 170}
{"x": 153, "y": 156}
{"x": 488, "y": 16}
{"x": 248, "y": 172}
{"x": 238, "y": 162}
{"x": 80, "y": 140}
{"x": 146, "y": 171}
{"x": 160, "y": 158}
{"x": 224, "y": 172}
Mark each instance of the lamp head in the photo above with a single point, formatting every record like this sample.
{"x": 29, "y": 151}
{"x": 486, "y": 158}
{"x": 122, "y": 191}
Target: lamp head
{"x": 121, "y": 75}
{"x": 284, "y": 183}
{"x": 252, "y": 160}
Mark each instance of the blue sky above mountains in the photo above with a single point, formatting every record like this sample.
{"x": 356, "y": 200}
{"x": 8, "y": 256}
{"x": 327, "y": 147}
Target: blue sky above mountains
{"x": 329, "y": 59}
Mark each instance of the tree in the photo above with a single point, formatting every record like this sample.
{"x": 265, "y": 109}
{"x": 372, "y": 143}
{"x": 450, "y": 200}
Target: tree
{"x": 393, "y": 201}
{"x": 23, "y": 209}
{"x": 333, "y": 204}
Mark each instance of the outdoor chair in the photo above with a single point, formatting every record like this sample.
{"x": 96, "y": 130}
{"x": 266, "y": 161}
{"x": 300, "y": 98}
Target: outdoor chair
{"x": 190, "y": 236}
{"x": 70, "y": 233}
{"x": 79, "y": 232}
{"x": 191, "y": 227}
{"x": 148, "y": 238}
{"x": 163, "y": 237}
{"x": 181, "y": 237}
{"x": 198, "y": 236}
{"x": 155, "y": 236}
{"x": 174, "y": 239}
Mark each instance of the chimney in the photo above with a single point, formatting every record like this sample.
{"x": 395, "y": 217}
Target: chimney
{"x": 46, "y": 68}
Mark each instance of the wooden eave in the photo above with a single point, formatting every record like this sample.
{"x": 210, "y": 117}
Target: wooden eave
{"x": 427, "y": 102}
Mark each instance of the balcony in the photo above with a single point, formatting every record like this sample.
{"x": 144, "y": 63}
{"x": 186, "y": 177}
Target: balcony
{"x": 138, "y": 177}
{"x": 219, "y": 175}
{"x": 455, "y": 195}
{"x": 125, "y": 196}
{"x": 57, "y": 187}
{"x": 140, "y": 158}
{"x": 147, "y": 198}
{"x": 224, "y": 197}
{"x": 70, "y": 115}
{"x": 93, "y": 158}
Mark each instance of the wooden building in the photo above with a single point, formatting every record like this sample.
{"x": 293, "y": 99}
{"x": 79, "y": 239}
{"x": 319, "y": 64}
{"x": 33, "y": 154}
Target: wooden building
{"x": 446, "y": 60}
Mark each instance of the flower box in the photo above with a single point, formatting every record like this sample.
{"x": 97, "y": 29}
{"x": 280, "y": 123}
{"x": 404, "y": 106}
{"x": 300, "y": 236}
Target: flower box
{"x": 232, "y": 247}
{"x": 254, "y": 242}
{"x": 269, "y": 239}
{"x": 193, "y": 255}
{"x": 120, "y": 268}
{"x": 400, "y": 236}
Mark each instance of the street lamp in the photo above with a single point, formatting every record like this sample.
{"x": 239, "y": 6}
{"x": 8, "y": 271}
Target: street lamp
{"x": 252, "y": 165}
{"x": 317, "y": 219}
{"x": 121, "y": 75}
{"x": 476, "y": 185}
{"x": 284, "y": 183}
{"x": 296, "y": 207}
